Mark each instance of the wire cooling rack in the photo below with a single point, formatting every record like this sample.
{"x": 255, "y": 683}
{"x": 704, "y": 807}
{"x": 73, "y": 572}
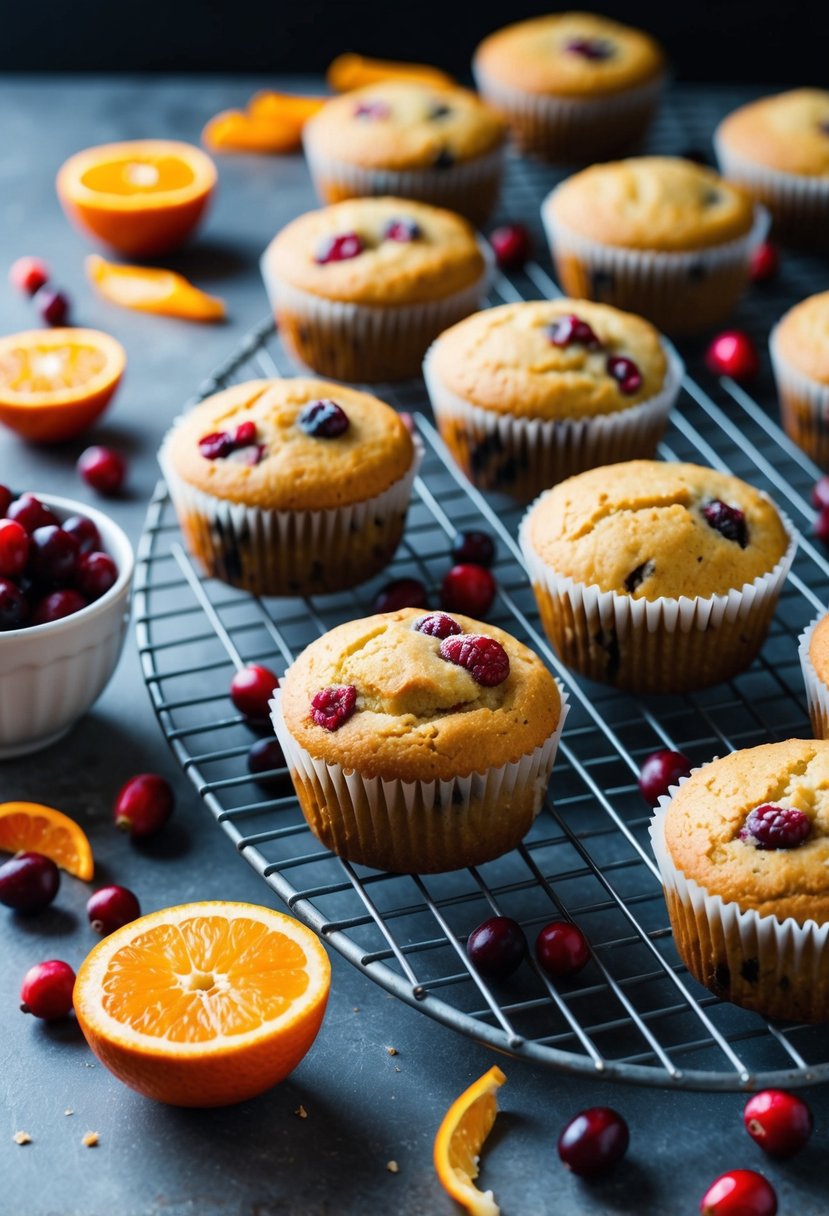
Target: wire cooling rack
{"x": 634, "y": 1013}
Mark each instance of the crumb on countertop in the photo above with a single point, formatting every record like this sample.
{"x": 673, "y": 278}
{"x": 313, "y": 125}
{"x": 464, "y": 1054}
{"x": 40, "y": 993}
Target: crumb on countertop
{"x": 91, "y": 1140}
{"x": 69, "y": 1111}
{"x": 392, "y": 1167}
{"x": 22, "y": 1138}
{"x": 392, "y": 1051}
{"x": 301, "y": 1111}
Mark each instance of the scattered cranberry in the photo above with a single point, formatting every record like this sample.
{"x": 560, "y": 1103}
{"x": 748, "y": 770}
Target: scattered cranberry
{"x": 403, "y": 230}
{"x": 437, "y": 625}
{"x": 28, "y": 275}
{"x": 732, "y": 353}
{"x": 469, "y": 589}
{"x": 561, "y": 949}
{"x": 52, "y": 305}
{"x": 339, "y": 248}
{"x": 820, "y": 492}
{"x": 265, "y": 755}
{"x": 251, "y": 690}
{"x": 30, "y": 513}
{"x": 103, "y": 469}
{"x": 484, "y": 658}
{"x": 332, "y": 707}
{"x": 143, "y": 806}
{"x": 95, "y": 574}
{"x": 323, "y": 420}
{"x": 765, "y": 263}
{"x": 14, "y": 547}
{"x": 820, "y": 528}
{"x": 57, "y": 605}
{"x": 511, "y": 245}
{"x": 739, "y": 1193}
{"x": 84, "y": 532}
{"x": 625, "y": 372}
{"x": 660, "y": 770}
{"x": 110, "y": 908}
{"x": 594, "y": 1141}
{"x": 775, "y": 827}
{"x": 730, "y": 522}
{"x": 497, "y": 947}
{"x": 6, "y": 497}
{"x": 372, "y": 109}
{"x": 14, "y": 608}
{"x": 400, "y": 593}
{"x": 54, "y": 555}
{"x": 28, "y": 882}
{"x": 46, "y": 991}
{"x": 780, "y": 1122}
{"x": 570, "y": 329}
{"x": 595, "y": 49}
{"x": 474, "y": 547}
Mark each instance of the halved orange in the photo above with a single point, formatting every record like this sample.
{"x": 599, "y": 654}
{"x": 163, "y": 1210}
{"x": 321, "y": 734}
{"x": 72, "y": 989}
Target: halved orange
{"x": 460, "y": 1138}
{"x": 349, "y": 71}
{"x": 55, "y": 382}
{"x": 151, "y": 289}
{"x": 143, "y": 197}
{"x": 203, "y": 1004}
{"x": 30, "y": 826}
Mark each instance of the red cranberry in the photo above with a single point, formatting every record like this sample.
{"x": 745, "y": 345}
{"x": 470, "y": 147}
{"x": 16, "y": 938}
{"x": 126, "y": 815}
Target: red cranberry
{"x": 110, "y": 908}
{"x": 57, "y": 605}
{"x": 6, "y": 497}
{"x": 732, "y": 353}
{"x": 339, "y": 248}
{"x": 594, "y": 1141}
{"x": 251, "y": 690}
{"x": 660, "y": 770}
{"x": 53, "y": 306}
{"x": 402, "y": 230}
{"x": 468, "y": 589}
{"x": 103, "y": 469}
{"x": 765, "y": 263}
{"x": 474, "y": 547}
{"x": 820, "y": 492}
{"x": 775, "y": 827}
{"x": 437, "y": 625}
{"x": 484, "y": 658}
{"x": 240, "y": 443}
{"x": 264, "y": 756}
{"x": 216, "y": 446}
{"x": 595, "y": 49}
{"x": 739, "y": 1193}
{"x": 372, "y": 109}
{"x": 28, "y": 882}
{"x": 14, "y": 547}
{"x": 244, "y": 434}
{"x": 511, "y": 245}
{"x": 54, "y": 555}
{"x": 143, "y": 806}
{"x": 625, "y": 372}
{"x": 780, "y": 1122}
{"x": 14, "y": 607}
{"x": 323, "y": 420}
{"x": 497, "y": 947}
{"x": 46, "y": 991}
{"x": 30, "y": 513}
{"x": 400, "y": 593}
{"x": 570, "y": 329}
{"x": 730, "y": 522}
{"x": 95, "y": 575}
{"x": 332, "y": 707}
{"x": 820, "y": 528}
{"x": 28, "y": 275}
{"x": 561, "y": 949}
{"x": 84, "y": 532}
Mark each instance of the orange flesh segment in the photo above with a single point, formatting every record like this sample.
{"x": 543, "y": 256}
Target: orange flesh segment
{"x": 151, "y": 289}
{"x": 30, "y": 827}
{"x": 138, "y": 175}
{"x": 349, "y": 72}
{"x": 460, "y": 1138}
{"x": 47, "y": 368}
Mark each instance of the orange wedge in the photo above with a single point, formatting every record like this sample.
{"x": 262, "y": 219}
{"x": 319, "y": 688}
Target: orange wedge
{"x": 149, "y": 289}
{"x": 26, "y": 826}
{"x": 204, "y": 1004}
{"x": 55, "y": 382}
{"x": 460, "y": 1138}
{"x": 349, "y": 72}
{"x": 272, "y": 123}
{"x": 143, "y": 197}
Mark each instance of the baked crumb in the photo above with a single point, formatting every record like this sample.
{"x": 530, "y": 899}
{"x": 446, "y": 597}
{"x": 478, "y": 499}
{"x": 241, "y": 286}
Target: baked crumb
{"x": 392, "y": 1167}
{"x": 91, "y": 1139}
{"x": 392, "y": 1051}
{"x": 22, "y": 1138}
{"x": 69, "y": 1111}
{"x": 301, "y": 1111}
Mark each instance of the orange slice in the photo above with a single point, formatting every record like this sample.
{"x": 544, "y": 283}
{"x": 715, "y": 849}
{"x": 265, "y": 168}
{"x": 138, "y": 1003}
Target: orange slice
{"x": 28, "y": 826}
{"x": 272, "y": 123}
{"x": 55, "y": 382}
{"x": 143, "y": 197}
{"x": 204, "y": 1004}
{"x": 349, "y": 72}
{"x": 460, "y": 1138}
{"x": 149, "y": 289}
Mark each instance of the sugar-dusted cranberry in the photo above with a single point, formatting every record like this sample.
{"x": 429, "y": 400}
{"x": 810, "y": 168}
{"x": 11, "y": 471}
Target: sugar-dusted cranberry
{"x": 323, "y": 419}
{"x": 400, "y": 593}
{"x": 110, "y": 908}
{"x": 332, "y": 707}
{"x": 729, "y": 521}
{"x": 403, "y": 230}
{"x": 469, "y": 589}
{"x": 596, "y": 49}
{"x": 497, "y": 947}
{"x": 484, "y": 658}
{"x": 95, "y": 574}
{"x": 739, "y": 1193}
{"x": 53, "y": 306}
{"x": 28, "y": 275}
{"x": 570, "y": 330}
{"x": 251, "y": 690}
{"x": 765, "y": 263}
{"x": 30, "y": 512}
{"x": 56, "y": 605}
{"x": 14, "y": 547}
{"x": 561, "y": 949}
{"x": 732, "y": 353}
{"x": 374, "y": 110}
{"x": 339, "y": 248}
{"x": 660, "y": 770}
{"x": 264, "y": 756}
{"x": 143, "y": 805}
{"x": 780, "y": 1122}
{"x": 474, "y": 547}
{"x": 776, "y": 827}
{"x": 594, "y": 1141}
{"x": 28, "y": 882}
{"x": 6, "y": 497}
{"x": 820, "y": 528}
{"x": 103, "y": 469}
{"x": 512, "y": 245}
{"x": 14, "y": 607}
{"x": 46, "y": 991}
{"x": 437, "y": 625}
{"x": 84, "y": 532}
{"x": 625, "y": 372}
{"x": 54, "y": 555}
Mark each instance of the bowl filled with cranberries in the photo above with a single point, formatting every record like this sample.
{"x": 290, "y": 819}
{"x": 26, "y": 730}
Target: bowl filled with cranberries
{"x": 65, "y": 574}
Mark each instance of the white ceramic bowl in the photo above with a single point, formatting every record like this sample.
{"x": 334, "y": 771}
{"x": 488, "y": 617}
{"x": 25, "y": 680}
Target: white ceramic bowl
{"x": 51, "y": 674}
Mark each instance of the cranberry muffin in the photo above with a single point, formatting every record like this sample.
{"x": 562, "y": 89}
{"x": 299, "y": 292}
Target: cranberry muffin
{"x": 799, "y": 346}
{"x": 813, "y": 650}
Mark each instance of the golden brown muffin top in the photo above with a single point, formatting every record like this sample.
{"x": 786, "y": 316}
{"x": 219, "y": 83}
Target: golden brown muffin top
{"x": 706, "y": 816}
{"x": 293, "y": 471}
{"x": 650, "y": 529}
{"x": 788, "y": 132}
{"x": 652, "y": 202}
{"x": 516, "y": 359}
{"x": 418, "y": 717}
{"x": 570, "y": 55}
{"x": 802, "y": 337}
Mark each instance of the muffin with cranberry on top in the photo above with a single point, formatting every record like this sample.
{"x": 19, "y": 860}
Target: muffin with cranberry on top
{"x": 799, "y": 346}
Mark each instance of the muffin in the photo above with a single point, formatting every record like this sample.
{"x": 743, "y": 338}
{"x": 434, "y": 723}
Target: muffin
{"x": 778, "y": 150}
{"x": 419, "y": 742}
{"x": 743, "y": 850}
{"x": 290, "y": 487}
{"x": 813, "y": 650}
{"x": 441, "y": 146}
{"x": 655, "y": 235}
{"x": 656, "y": 577}
{"x": 361, "y": 288}
{"x": 574, "y": 87}
{"x": 528, "y": 394}
{"x": 799, "y": 346}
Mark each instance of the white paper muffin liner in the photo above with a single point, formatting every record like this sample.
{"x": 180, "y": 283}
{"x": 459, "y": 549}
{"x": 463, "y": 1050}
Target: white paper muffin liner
{"x": 679, "y": 292}
{"x": 778, "y": 968}
{"x": 652, "y": 646}
{"x": 420, "y": 826}
{"x": 799, "y": 204}
{"x": 804, "y": 405}
{"x": 527, "y": 455}
{"x": 274, "y": 552}
{"x": 817, "y": 694}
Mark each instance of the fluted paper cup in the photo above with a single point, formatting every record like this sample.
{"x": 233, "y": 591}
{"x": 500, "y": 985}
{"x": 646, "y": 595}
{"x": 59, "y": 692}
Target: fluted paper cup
{"x": 804, "y": 405}
{"x": 799, "y": 204}
{"x": 817, "y": 694}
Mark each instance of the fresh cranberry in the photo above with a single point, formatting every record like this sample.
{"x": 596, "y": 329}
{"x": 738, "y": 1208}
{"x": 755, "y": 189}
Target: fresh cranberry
{"x": 595, "y": 49}
{"x": 660, "y": 770}
{"x": 732, "y": 353}
{"x": 30, "y": 513}
{"x": 570, "y": 329}
{"x": 14, "y": 607}
{"x": 765, "y": 263}
{"x": 6, "y": 497}
{"x": 54, "y": 555}
{"x": 594, "y": 1141}
{"x": 143, "y": 806}
{"x": 512, "y": 245}
{"x": 28, "y": 275}
{"x": 332, "y": 707}
{"x": 820, "y": 528}
{"x": 95, "y": 575}
{"x": 265, "y": 755}
{"x": 53, "y": 306}
{"x": 561, "y": 949}
{"x": 323, "y": 419}
{"x": 469, "y": 589}
{"x": 46, "y": 991}
{"x": 400, "y": 593}
{"x": 437, "y": 625}
{"x": 14, "y": 547}
{"x": 103, "y": 469}
{"x": 84, "y": 532}
{"x": 497, "y": 947}
{"x": 372, "y": 109}
{"x": 403, "y": 230}
{"x": 251, "y": 690}
{"x": 339, "y": 248}
{"x": 729, "y": 521}
{"x": 473, "y": 548}
{"x": 28, "y": 882}
{"x": 739, "y": 1193}
{"x": 57, "y": 605}
{"x": 484, "y": 658}
{"x": 110, "y": 908}
{"x": 780, "y": 1122}
{"x": 776, "y": 827}
{"x": 625, "y": 372}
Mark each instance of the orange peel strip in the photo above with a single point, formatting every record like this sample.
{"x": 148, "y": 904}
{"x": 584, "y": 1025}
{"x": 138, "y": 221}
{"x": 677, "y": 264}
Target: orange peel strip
{"x": 272, "y": 123}
{"x": 459, "y": 1140}
{"x": 151, "y": 289}
{"x": 268, "y": 106}
{"x": 350, "y": 71}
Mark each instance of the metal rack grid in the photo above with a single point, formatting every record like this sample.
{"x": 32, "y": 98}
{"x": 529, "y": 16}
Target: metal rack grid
{"x": 633, "y": 1014}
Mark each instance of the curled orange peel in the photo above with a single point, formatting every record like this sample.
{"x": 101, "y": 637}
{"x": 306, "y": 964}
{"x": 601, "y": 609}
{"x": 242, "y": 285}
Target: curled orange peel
{"x": 272, "y": 123}
{"x": 152, "y": 289}
{"x": 351, "y": 71}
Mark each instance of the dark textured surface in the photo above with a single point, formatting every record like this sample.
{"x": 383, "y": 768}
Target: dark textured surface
{"x": 259, "y": 1159}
